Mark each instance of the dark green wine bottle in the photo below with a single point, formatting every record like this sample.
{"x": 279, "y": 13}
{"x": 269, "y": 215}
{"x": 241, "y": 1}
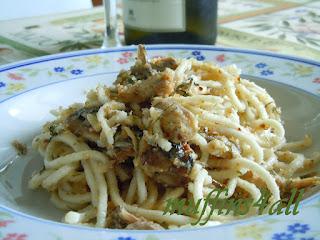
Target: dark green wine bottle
{"x": 170, "y": 21}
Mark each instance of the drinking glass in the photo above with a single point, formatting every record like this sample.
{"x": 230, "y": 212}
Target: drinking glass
{"x": 111, "y": 36}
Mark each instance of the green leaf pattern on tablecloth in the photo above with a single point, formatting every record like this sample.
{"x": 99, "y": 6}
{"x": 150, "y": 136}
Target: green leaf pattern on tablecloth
{"x": 300, "y": 25}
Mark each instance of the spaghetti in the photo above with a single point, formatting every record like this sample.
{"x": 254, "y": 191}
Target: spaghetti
{"x": 167, "y": 128}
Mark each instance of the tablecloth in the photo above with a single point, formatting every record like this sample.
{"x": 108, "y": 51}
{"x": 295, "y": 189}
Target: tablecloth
{"x": 284, "y": 26}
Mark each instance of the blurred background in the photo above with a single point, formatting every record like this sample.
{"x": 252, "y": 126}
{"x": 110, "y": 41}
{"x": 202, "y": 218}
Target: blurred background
{"x": 21, "y": 8}
{"x": 40, "y": 27}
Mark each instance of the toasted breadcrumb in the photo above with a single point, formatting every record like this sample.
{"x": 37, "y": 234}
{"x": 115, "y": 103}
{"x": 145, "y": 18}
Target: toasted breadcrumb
{"x": 20, "y": 148}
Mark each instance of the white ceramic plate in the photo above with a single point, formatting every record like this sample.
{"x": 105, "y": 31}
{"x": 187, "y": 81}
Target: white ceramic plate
{"x": 30, "y": 89}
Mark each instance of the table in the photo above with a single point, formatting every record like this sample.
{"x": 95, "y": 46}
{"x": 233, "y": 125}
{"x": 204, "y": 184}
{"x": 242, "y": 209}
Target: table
{"x": 284, "y": 26}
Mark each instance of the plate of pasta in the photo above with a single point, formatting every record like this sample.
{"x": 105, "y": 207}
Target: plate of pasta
{"x": 160, "y": 142}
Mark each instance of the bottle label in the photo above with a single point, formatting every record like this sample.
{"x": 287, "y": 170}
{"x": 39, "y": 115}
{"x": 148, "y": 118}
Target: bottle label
{"x": 155, "y": 15}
